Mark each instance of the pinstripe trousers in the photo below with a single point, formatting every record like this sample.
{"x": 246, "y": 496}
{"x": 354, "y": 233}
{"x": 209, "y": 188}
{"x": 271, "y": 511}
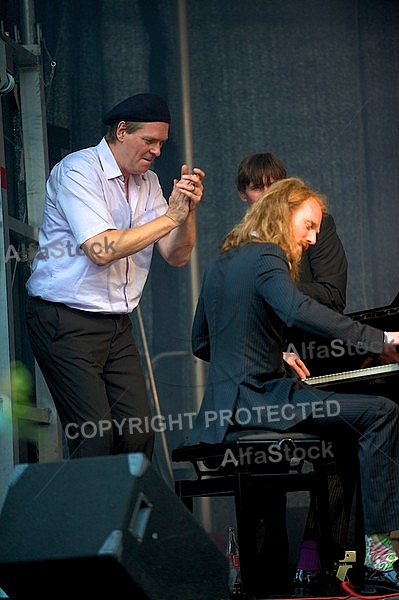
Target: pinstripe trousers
{"x": 371, "y": 423}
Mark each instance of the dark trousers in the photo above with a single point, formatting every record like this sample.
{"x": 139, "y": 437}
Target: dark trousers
{"x": 92, "y": 368}
{"x": 371, "y": 425}
{"x": 365, "y": 440}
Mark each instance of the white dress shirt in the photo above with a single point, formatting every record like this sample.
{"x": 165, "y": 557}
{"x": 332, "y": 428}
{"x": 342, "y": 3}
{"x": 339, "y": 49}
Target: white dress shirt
{"x": 85, "y": 196}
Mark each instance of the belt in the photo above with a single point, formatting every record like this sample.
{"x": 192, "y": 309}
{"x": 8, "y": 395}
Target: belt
{"x": 88, "y": 313}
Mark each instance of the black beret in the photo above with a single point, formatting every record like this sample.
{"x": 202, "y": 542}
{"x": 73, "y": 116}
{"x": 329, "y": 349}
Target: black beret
{"x": 141, "y": 108}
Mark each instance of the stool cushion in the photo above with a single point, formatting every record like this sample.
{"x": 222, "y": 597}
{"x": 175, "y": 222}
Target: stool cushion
{"x": 251, "y": 450}
{"x": 256, "y": 435}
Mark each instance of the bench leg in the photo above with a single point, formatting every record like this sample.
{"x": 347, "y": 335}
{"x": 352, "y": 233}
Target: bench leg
{"x": 262, "y": 538}
{"x": 321, "y": 502}
{"x": 187, "y": 500}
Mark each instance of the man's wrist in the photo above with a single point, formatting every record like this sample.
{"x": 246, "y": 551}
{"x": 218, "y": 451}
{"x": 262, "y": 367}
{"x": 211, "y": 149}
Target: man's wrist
{"x": 171, "y": 218}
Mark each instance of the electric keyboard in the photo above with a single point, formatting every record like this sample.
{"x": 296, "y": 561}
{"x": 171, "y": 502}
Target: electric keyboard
{"x": 345, "y": 373}
{"x": 320, "y": 357}
{"x": 355, "y": 375}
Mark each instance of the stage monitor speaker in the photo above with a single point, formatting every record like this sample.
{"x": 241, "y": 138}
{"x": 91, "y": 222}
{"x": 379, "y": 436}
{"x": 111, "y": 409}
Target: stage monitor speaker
{"x": 104, "y": 527}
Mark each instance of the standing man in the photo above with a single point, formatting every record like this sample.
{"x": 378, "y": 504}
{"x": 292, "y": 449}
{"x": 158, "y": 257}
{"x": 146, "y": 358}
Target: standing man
{"x": 104, "y": 214}
{"x": 323, "y": 271}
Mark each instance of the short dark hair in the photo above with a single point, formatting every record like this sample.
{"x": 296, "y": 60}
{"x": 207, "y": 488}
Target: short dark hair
{"x": 258, "y": 169}
{"x": 131, "y": 127}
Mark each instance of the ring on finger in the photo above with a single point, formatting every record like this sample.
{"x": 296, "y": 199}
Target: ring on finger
{"x": 193, "y": 187}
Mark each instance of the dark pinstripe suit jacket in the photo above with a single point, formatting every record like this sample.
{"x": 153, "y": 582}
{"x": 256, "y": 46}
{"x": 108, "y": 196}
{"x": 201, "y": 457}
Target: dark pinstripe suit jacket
{"x": 246, "y": 300}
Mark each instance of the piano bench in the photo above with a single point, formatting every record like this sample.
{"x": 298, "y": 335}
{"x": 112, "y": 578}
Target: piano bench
{"x": 254, "y": 464}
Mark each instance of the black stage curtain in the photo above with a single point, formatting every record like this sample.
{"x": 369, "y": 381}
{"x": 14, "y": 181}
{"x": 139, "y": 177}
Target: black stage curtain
{"x": 313, "y": 81}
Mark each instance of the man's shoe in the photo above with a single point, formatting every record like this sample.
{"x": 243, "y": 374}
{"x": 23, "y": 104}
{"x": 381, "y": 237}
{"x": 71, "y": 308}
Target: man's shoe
{"x": 306, "y": 583}
{"x": 382, "y": 581}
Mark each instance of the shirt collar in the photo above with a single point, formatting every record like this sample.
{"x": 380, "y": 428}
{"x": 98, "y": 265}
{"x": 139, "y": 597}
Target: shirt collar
{"x": 109, "y": 164}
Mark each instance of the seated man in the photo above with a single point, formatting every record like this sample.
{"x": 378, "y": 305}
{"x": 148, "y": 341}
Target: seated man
{"x": 323, "y": 276}
{"x": 248, "y": 297}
